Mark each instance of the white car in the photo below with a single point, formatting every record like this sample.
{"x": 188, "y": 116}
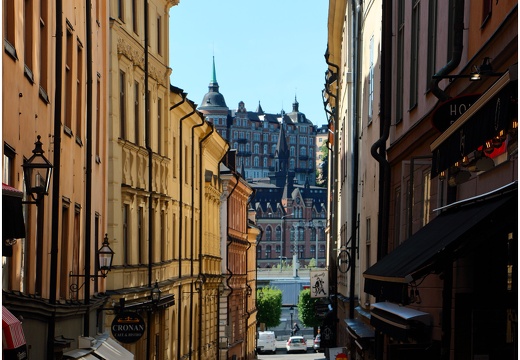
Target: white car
{"x": 296, "y": 343}
{"x": 265, "y": 341}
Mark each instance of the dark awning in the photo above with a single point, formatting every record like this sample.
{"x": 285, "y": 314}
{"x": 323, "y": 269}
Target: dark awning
{"x": 441, "y": 242}
{"x": 13, "y": 226}
{"x": 490, "y": 114}
{"x": 400, "y": 322}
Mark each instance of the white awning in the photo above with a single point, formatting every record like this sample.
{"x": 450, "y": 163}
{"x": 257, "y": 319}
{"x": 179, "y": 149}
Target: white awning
{"x": 104, "y": 348}
{"x": 112, "y": 350}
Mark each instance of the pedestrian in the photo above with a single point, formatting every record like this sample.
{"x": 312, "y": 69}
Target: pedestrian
{"x": 295, "y": 329}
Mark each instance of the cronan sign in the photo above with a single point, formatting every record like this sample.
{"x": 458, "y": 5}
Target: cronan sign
{"x": 449, "y": 111}
{"x": 128, "y": 327}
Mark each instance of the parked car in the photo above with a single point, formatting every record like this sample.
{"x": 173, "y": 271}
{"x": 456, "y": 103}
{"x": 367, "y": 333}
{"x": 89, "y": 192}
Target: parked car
{"x": 266, "y": 341}
{"x": 296, "y": 343}
{"x": 317, "y": 343}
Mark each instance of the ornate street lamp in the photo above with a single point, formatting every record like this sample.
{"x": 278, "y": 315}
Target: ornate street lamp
{"x": 37, "y": 171}
{"x": 105, "y": 257}
{"x": 156, "y": 293}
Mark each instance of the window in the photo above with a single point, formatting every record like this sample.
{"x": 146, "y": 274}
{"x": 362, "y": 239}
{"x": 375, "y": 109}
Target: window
{"x": 414, "y": 53}
{"x": 98, "y": 119}
{"x": 126, "y": 233}
{"x": 268, "y": 252}
{"x": 486, "y": 10}
{"x": 159, "y": 125}
{"x": 9, "y": 26}
{"x": 400, "y": 62}
{"x": 68, "y": 83}
{"x": 256, "y": 162}
{"x": 264, "y": 162}
{"x": 140, "y": 235}
{"x": 268, "y": 233}
{"x": 79, "y": 94}
{"x": 121, "y": 10}
{"x": 122, "y": 104}
{"x": 64, "y": 249}
{"x": 371, "y": 81}
{"x": 76, "y": 245}
{"x": 136, "y": 113}
{"x": 28, "y": 23}
{"x": 44, "y": 49}
{"x": 292, "y": 151}
{"x": 397, "y": 218}
{"x": 164, "y": 247}
{"x": 134, "y": 16}
{"x": 159, "y": 38}
{"x": 8, "y": 166}
{"x": 265, "y": 149}
{"x": 432, "y": 41}
{"x": 426, "y": 198}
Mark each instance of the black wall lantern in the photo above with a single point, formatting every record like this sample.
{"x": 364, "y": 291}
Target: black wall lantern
{"x": 37, "y": 172}
{"x": 105, "y": 255}
{"x": 156, "y": 293}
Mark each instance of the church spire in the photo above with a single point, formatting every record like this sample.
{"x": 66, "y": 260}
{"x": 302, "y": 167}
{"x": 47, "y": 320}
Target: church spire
{"x": 214, "y": 79}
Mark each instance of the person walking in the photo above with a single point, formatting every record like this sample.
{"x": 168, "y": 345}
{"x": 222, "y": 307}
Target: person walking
{"x": 295, "y": 329}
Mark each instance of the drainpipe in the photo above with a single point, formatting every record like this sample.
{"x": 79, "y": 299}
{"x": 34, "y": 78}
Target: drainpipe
{"x": 221, "y": 277}
{"x": 53, "y": 276}
{"x": 333, "y": 276}
{"x": 201, "y": 194}
{"x": 181, "y": 221}
{"x": 229, "y": 241}
{"x": 248, "y": 314}
{"x": 150, "y": 177}
{"x": 192, "y": 225}
{"x": 458, "y": 29}
{"x": 357, "y": 14}
{"x": 378, "y": 149}
{"x": 456, "y": 51}
{"x": 179, "y": 295}
{"x": 88, "y": 169}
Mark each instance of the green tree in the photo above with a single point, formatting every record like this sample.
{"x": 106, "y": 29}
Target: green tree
{"x": 322, "y": 172}
{"x": 269, "y": 305}
{"x": 306, "y": 312}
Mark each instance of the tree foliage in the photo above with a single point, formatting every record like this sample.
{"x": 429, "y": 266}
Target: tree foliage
{"x": 322, "y": 172}
{"x": 306, "y": 312}
{"x": 269, "y": 305}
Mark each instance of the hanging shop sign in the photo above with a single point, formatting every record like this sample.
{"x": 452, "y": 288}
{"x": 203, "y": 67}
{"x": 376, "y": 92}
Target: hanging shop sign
{"x": 128, "y": 327}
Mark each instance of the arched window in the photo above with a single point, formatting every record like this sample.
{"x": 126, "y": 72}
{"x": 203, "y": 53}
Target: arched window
{"x": 256, "y": 148}
{"x": 265, "y": 149}
{"x": 268, "y": 233}
{"x": 303, "y": 151}
{"x": 256, "y": 162}
{"x": 291, "y": 151}
{"x": 278, "y": 233}
{"x": 265, "y": 162}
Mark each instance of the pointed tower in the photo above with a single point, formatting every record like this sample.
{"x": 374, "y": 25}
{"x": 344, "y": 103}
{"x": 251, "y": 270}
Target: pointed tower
{"x": 279, "y": 174}
{"x": 213, "y": 102}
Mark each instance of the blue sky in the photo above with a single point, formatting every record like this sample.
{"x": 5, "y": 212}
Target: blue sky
{"x": 268, "y": 51}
